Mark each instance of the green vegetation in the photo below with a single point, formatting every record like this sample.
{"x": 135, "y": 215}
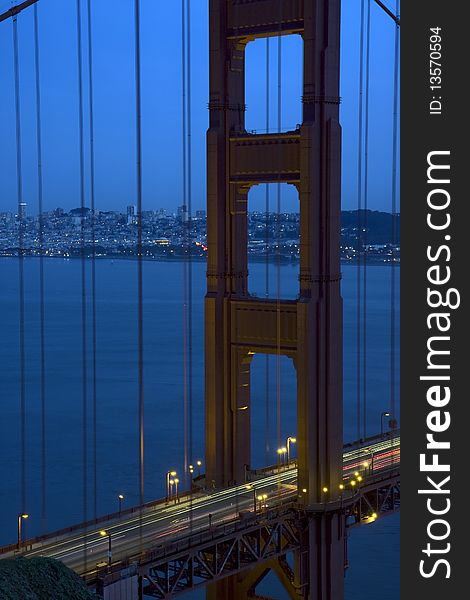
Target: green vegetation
{"x": 40, "y": 579}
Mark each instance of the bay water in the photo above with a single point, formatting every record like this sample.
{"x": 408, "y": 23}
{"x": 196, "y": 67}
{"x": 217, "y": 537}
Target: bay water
{"x": 373, "y": 549}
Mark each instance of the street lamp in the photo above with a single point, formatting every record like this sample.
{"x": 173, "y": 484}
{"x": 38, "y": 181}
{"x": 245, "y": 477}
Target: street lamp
{"x": 176, "y": 481}
{"x": 21, "y": 516}
{"x": 252, "y": 487}
{"x": 104, "y": 533}
{"x": 120, "y": 499}
{"x": 290, "y": 440}
{"x": 169, "y": 474}
{"x": 191, "y": 474}
{"x": 262, "y": 497}
{"x": 384, "y": 414}
{"x": 281, "y": 452}
{"x": 199, "y": 465}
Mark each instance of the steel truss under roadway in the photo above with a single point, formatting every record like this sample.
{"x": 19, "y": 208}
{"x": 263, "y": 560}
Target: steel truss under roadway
{"x": 260, "y": 540}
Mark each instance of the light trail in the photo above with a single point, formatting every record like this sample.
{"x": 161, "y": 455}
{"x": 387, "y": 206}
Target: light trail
{"x": 164, "y": 522}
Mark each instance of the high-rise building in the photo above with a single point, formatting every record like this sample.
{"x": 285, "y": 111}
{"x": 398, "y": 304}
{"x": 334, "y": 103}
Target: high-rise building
{"x": 183, "y": 213}
{"x": 200, "y": 215}
{"x": 131, "y": 214}
{"x": 22, "y": 211}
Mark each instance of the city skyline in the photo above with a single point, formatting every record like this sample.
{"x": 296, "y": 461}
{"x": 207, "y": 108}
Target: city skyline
{"x": 114, "y": 139}
{"x": 163, "y": 210}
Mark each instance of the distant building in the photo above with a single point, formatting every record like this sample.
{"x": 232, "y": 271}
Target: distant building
{"x": 131, "y": 214}
{"x": 182, "y": 214}
{"x": 22, "y": 211}
{"x": 200, "y": 215}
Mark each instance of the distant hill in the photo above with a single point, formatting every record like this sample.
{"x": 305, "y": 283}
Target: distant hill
{"x": 40, "y": 579}
{"x": 378, "y": 226}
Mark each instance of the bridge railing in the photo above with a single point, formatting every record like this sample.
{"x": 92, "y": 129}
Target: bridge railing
{"x": 78, "y": 527}
{"x": 252, "y": 475}
{"x": 287, "y": 512}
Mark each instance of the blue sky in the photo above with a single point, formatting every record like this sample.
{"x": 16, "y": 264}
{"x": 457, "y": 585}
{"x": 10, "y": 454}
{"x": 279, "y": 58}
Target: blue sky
{"x": 162, "y": 105}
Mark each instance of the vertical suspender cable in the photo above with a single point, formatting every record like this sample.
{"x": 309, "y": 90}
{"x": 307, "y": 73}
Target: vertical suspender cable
{"x": 359, "y": 229}
{"x": 186, "y": 244}
{"x": 187, "y": 224}
{"x": 190, "y": 211}
{"x": 394, "y": 219}
{"x": 366, "y": 189}
{"x": 83, "y": 275}
{"x": 93, "y": 253}
{"x": 140, "y": 315}
{"x": 278, "y": 232}
{"x": 21, "y": 301}
{"x": 42, "y": 351}
{"x": 266, "y": 281}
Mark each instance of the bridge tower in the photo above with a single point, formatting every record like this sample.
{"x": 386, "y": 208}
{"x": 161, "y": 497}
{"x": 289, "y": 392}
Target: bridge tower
{"x": 308, "y": 330}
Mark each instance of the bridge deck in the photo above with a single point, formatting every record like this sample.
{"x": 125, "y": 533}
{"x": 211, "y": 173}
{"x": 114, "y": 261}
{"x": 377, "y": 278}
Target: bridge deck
{"x": 159, "y": 525}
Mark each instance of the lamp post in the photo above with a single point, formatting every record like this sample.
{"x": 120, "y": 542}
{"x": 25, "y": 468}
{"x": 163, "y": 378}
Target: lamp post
{"x": 264, "y": 497}
{"x": 169, "y": 474}
{"x": 104, "y": 533}
{"x": 21, "y": 517}
{"x": 252, "y": 487}
{"x": 176, "y": 481}
{"x": 384, "y": 414}
{"x": 281, "y": 453}
{"x": 191, "y": 474}
{"x": 290, "y": 440}
{"x": 199, "y": 465}
{"x": 120, "y": 499}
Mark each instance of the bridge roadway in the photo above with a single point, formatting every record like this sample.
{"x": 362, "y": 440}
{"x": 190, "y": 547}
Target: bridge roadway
{"x": 161, "y": 523}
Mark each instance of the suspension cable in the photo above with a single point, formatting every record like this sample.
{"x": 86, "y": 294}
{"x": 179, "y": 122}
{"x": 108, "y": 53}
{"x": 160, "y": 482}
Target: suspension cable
{"x": 42, "y": 357}
{"x": 93, "y": 254}
{"x": 266, "y": 281}
{"x": 394, "y": 219}
{"x": 190, "y": 230}
{"x": 21, "y": 291}
{"x": 395, "y": 17}
{"x": 359, "y": 230}
{"x": 83, "y": 275}
{"x": 187, "y": 224}
{"x": 140, "y": 316}
{"x": 183, "y": 218}
{"x": 365, "y": 237}
{"x": 15, "y": 10}
{"x": 278, "y": 233}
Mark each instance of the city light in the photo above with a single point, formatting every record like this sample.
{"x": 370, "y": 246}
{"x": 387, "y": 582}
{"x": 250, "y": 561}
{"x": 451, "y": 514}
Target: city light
{"x": 169, "y": 475}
